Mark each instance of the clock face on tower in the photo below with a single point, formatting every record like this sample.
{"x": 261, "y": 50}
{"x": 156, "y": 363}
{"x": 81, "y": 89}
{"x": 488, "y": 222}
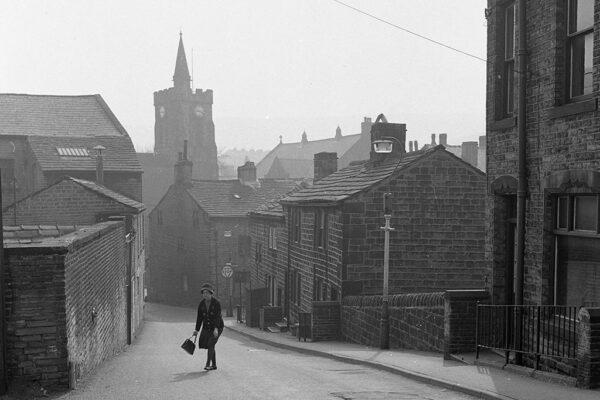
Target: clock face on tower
{"x": 161, "y": 111}
{"x": 199, "y": 111}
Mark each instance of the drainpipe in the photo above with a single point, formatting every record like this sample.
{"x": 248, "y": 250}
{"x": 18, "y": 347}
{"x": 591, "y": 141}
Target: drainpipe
{"x": 522, "y": 179}
{"x": 3, "y": 322}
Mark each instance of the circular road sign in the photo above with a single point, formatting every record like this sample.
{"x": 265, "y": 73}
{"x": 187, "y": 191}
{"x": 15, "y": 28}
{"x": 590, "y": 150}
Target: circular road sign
{"x": 227, "y": 271}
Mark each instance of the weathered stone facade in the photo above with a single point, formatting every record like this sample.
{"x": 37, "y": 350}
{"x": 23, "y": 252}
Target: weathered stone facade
{"x": 437, "y": 211}
{"x": 66, "y": 304}
{"x": 561, "y": 155}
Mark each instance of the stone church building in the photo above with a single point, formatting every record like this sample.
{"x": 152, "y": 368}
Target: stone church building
{"x": 180, "y": 114}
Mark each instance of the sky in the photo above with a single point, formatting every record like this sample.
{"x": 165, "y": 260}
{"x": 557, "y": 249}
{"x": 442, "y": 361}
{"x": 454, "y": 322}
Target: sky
{"x": 276, "y": 67}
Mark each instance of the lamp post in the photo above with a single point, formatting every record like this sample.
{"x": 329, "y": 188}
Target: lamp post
{"x": 385, "y": 313}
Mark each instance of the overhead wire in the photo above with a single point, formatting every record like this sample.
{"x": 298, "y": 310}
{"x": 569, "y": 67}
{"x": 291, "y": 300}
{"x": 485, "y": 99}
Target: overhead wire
{"x": 409, "y": 31}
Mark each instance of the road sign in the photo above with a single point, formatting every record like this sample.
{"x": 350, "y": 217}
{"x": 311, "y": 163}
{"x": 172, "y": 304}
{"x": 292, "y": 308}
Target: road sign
{"x": 227, "y": 271}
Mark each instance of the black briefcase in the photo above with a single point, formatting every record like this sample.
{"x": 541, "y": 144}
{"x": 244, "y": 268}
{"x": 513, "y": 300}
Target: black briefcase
{"x": 189, "y": 346}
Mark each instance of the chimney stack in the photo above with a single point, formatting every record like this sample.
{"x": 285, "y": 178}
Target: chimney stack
{"x": 416, "y": 145}
{"x": 99, "y": 164}
{"x": 469, "y": 152}
{"x": 247, "y": 172}
{"x": 410, "y": 146}
{"x": 443, "y": 139}
{"x": 383, "y": 131}
{"x": 325, "y": 164}
{"x": 183, "y": 168}
{"x": 483, "y": 141}
{"x": 365, "y": 126}
{"x": 433, "y": 139}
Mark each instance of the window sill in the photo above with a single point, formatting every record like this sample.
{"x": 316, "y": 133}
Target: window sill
{"x": 586, "y": 234}
{"x": 573, "y": 108}
{"x": 505, "y": 123}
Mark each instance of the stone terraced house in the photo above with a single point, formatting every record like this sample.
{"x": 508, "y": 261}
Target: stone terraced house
{"x": 543, "y": 152}
{"x": 336, "y": 245}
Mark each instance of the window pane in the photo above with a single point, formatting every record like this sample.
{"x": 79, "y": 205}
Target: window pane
{"x": 581, "y": 15}
{"x": 562, "y": 218}
{"x": 509, "y": 89}
{"x": 509, "y": 32}
{"x": 578, "y": 271}
{"x": 586, "y": 213}
{"x": 581, "y": 65}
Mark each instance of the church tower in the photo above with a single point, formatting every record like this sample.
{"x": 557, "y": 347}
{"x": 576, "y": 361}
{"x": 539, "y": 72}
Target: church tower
{"x": 182, "y": 114}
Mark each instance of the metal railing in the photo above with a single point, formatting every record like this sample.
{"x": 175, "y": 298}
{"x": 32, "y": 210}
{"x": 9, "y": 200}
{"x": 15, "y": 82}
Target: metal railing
{"x": 304, "y": 326}
{"x": 535, "y": 330}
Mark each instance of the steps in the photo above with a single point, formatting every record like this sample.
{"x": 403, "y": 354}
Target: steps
{"x": 278, "y": 327}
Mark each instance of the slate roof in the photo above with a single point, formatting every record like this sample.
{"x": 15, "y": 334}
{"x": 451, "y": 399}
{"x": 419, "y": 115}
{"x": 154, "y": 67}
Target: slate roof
{"x": 305, "y": 151}
{"x": 24, "y": 234}
{"x": 230, "y": 198}
{"x": 26, "y": 114}
{"x": 355, "y": 178}
{"x": 283, "y": 168}
{"x": 109, "y": 193}
{"x": 272, "y": 207}
{"x": 119, "y": 155}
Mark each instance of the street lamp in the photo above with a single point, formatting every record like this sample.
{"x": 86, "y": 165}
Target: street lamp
{"x": 385, "y": 312}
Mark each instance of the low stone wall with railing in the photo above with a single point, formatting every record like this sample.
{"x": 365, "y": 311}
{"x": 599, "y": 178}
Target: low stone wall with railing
{"x": 416, "y": 320}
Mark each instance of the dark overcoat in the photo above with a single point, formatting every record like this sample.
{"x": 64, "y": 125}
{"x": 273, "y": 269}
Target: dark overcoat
{"x": 209, "y": 318}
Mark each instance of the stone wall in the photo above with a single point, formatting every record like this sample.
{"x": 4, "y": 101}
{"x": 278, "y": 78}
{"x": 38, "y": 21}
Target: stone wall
{"x": 66, "y": 304}
{"x": 416, "y": 321}
{"x": 326, "y": 320}
{"x": 438, "y": 213}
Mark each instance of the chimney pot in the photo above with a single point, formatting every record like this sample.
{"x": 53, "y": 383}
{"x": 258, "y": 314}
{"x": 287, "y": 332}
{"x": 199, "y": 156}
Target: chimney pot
{"x": 433, "y": 139}
{"x": 416, "y": 145}
{"x": 410, "y": 146}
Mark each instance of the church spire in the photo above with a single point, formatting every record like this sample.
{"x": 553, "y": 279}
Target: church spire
{"x": 181, "y": 78}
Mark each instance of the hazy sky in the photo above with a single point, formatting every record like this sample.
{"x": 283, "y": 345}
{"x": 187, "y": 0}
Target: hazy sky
{"x": 277, "y": 67}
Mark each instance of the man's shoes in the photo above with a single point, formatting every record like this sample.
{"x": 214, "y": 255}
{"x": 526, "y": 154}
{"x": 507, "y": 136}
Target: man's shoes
{"x": 210, "y": 368}
{"x": 207, "y": 368}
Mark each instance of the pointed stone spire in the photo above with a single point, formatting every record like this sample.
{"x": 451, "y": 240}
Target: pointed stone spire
{"x": 338, "y": 133}
{"x": 181, "y": 77}
{"x": 304, "y": 138}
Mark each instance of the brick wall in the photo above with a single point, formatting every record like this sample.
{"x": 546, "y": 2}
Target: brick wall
{"x": 270, "y": 262}
{"x": 65, "y": 203}
{"x": 95, "y": 279}
{"x": 588, "y": 348}
{"x": 460, "y": 319}
{"x": 314, "y": 263}
{"x": 416, "y": 320}
{"x": 326, "y": 320}
{"x": 52, "y": 288}
{"x": 36, "y": 341}
{"x": 438, "y": 212}
{"x": 556, "y": 141}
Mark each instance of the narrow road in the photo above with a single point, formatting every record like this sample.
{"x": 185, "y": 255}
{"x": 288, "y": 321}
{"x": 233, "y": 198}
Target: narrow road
{"x": 155, "y": 367}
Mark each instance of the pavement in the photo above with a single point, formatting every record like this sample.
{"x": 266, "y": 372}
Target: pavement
{"x": 486, "y": 378}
